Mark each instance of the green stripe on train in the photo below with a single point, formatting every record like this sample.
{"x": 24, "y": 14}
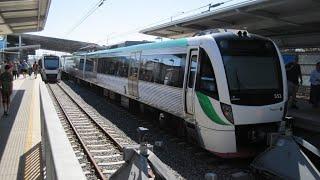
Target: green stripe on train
{"x": 208, "y": 109}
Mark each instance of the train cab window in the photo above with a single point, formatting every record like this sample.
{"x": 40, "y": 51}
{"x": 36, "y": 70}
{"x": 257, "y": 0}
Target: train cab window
{"x": 206, "y": 81}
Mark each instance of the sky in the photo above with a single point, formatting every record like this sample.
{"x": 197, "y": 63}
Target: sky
{"x": 116, "y": 20}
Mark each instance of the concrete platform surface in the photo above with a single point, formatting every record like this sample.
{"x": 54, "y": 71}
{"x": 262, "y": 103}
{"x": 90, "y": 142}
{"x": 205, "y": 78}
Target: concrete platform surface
{"x": 20, "y": 133}
{"x": 306, "y": 117}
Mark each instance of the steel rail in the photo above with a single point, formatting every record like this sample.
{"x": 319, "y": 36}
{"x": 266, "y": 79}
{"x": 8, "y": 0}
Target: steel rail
{"x": 86, "y": 150}
{"x": 114, "y": 141}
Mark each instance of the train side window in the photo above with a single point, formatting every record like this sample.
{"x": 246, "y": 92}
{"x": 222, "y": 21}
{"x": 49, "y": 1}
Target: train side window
{"x": 81, "y": 64}
{"x": 101, "y": 65}
{"x": 117, "y": 66}
{"x": 167, "y": 69}
{"x": 192, "y": 72}
{"x": 206, "y": 81}
{"x": 112, "y": 66}
{"x": 146, "y": 68}
{"x": 173, "y": 69}
{"x": 123, "y": 66}
{"x": 89, "y": 65}
{"x": 157, "y": 68}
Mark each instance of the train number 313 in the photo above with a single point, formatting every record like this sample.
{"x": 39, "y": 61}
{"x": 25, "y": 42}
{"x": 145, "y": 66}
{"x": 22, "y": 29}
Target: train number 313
{"x": 277, "y": 96}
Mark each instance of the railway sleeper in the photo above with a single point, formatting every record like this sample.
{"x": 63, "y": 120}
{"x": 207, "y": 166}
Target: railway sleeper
{"x": 109, "y": 171}
{"x": 108, "y": 156}
{"x": 98, "y": 145}
{"x": 111, "y": 163}
{"x": 101, "y": 150}
{"x": 88, "y": 133}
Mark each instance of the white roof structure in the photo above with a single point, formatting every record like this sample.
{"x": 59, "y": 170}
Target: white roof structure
{"x": 19, "y": 16}
{"x": 291, "y": 23}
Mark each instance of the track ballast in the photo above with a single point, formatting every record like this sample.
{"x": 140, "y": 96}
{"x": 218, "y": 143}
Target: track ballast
{"x": 97, "y": 147}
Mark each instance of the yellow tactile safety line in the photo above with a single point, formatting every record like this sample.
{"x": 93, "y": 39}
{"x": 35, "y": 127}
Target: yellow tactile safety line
{"x": 28, "y": 143}
{"x": 32, "y": 166}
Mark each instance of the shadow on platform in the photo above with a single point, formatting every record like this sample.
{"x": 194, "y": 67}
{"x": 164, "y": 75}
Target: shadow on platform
{"x": 30, "y": 164}
{"x": 8, "y": 121}
{"x": 306, "y": 117}
{"x": 306, "y": 122}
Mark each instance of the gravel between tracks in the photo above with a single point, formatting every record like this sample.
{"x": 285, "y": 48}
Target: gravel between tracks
{"x": 181, "y": 158}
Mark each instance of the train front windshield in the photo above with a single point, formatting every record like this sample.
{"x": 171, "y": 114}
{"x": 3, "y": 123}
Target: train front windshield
{"x": 253, "y": 71}
{"x": 51, "y": 62}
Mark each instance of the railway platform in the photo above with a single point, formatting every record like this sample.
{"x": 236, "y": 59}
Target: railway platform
{"x": 306, "y": 122}
{"x": 306, "y": 117}
{"x": 33, "y": 144}
{"x": 20, "y": 133}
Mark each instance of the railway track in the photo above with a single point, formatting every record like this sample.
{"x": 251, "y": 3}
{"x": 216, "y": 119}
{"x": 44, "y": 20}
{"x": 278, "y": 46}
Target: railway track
{"x": 97, "y": 147}
{"x": 184, "y": 152}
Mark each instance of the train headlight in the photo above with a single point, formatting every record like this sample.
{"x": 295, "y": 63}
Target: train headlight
{"x": 227, "y": 112}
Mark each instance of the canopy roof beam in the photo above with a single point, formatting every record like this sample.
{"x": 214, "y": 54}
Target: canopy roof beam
{"x": 268, "y": 17}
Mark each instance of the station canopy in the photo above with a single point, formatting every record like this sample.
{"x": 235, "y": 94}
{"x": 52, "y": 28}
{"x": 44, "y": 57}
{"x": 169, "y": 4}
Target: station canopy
{"x": 49, "y": 43}
{"x": 290, "y": 23}
{"x": 19, "y": 16}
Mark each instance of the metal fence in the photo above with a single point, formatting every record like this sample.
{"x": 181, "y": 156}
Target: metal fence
{"x": 307, "y": 63}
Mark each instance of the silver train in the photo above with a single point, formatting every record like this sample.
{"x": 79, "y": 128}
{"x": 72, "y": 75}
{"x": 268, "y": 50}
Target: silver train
{"x": 50, "y": 68}
{"x": 226, "y": 90}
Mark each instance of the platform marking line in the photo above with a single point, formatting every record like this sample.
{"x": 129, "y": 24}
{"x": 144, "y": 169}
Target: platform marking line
{"x": 32, "y": 163}
{"x": 28, "y": 143}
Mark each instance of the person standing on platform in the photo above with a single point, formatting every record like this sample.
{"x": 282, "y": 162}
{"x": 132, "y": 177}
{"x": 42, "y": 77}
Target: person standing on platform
{"x": 35, "y": 69}
{"x": 15, "y": 70}
{"x": 29, "y": 69}
{"x": 18, "y": 68}
{"x": 6, "y": 79}
{"x": 24, "y": 68}
{"x": 293, "y": 71}
{"x": 315, "y": 86}
{"x": 21, "y": 67}
{"x": 3, "y": 64}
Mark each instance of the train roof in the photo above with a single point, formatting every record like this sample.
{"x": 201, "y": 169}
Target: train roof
{"x": 183, "y": 42}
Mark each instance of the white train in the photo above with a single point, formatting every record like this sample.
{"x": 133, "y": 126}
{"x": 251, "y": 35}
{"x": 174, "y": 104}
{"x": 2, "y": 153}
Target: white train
{"x": 50, "y": 68}
{"x": 227, "y": 90}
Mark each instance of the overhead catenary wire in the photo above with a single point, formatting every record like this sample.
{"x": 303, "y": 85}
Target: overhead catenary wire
{"x": 145, "y": 26}
{"x": 91, "y": 11}
{"x": 135, "y": 30}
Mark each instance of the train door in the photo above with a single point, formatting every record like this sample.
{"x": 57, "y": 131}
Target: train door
{"x": 95, "y": 66}
{"x": 134, "y": 74}
{"x": 84, "y": 66}
{"x": 191, "y": 78}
